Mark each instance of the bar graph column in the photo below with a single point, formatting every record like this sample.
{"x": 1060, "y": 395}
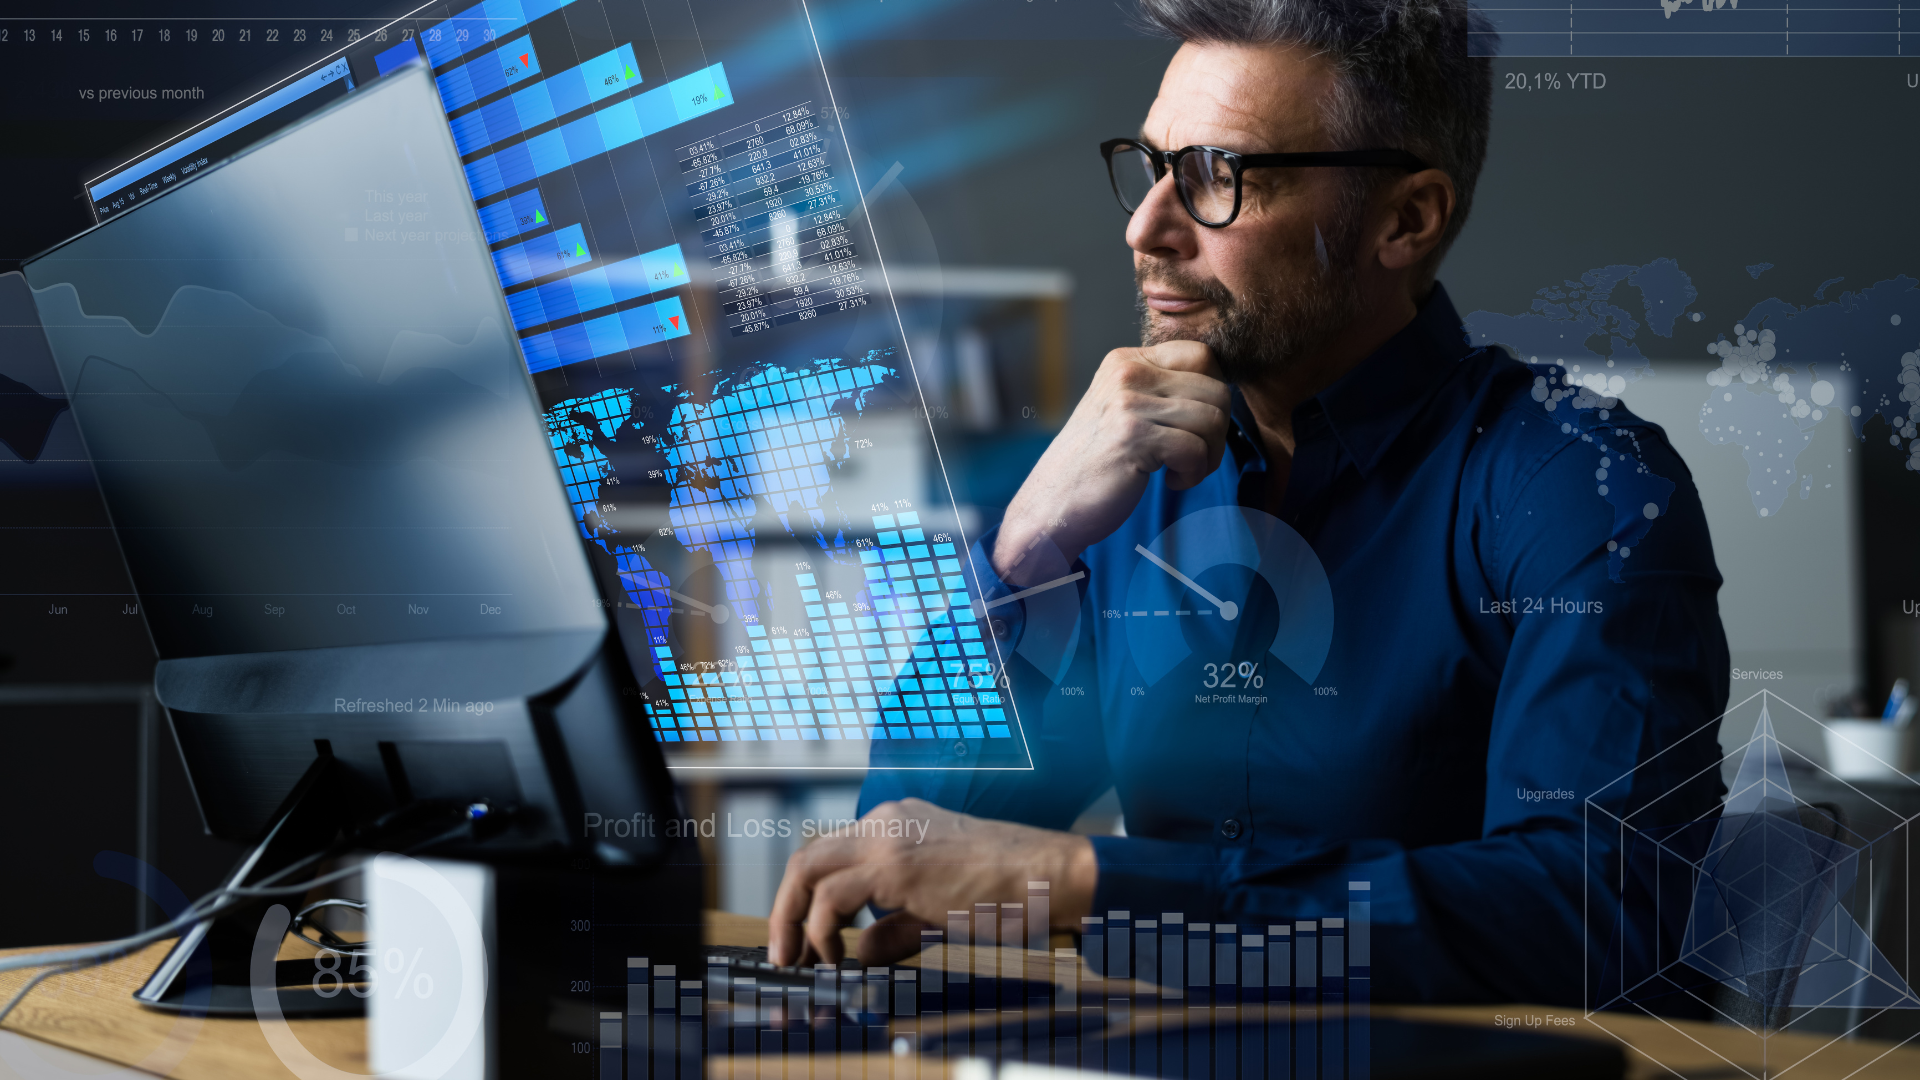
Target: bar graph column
{"x": 1173, "y": 966}
{"x": 723, "y": 989}
{"x": 1359, "y": 980}
{"x": 878, "y": 991}
{"x": 1037, "y": 970}
{"x": 1146, "y": 968}
{"x": 959, "y": 980}
{"x": 746, "y": 1003}
{"x": 1253, "y": 1006}
{"x": 1333, "y": 998}
{"x": 1013, "y": 935}
{"x": 1306, "y": 999}
{"x": 638, "y": 972}
{"x": 852, "y": 986}
{"x": 933, "y": 995}
{"x": 986, "y": 955}
{"x": 1279, "y": 1001}
{"x": 691, "y": 1013}
{"x": 1013, "y": 968}
{"x": 1039, "y": 915}
{"x": 610, "y": 1054}
{"x": 1066, "y": 1005}
{"x": 798, "y": 1016}
{"x": 666, "y": 1008}
{"x": 1093, "y": 944}
{"x": 906, "y": 1004}
{"x": 826, "y": 991}
{"x": 1119, "y": 930}
{"x": 1226, "y": 1000}
{"x": 1199, "y": 999}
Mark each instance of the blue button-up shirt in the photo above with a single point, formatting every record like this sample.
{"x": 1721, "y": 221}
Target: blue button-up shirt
{"x": 1503, "y": 640}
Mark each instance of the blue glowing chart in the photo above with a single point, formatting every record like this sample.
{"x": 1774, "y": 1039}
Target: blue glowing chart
{"x": 1198, "y": 579}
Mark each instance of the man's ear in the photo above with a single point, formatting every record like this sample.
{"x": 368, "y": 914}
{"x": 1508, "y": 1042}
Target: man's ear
{"x": 1414, "y": 214}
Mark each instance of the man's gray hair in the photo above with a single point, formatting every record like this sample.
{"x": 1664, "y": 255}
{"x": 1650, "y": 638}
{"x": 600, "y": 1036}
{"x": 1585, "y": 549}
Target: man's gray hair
{"x": 1406, "y": 77}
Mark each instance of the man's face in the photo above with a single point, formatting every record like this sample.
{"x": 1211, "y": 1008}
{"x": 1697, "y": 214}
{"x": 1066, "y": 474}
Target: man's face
{"x": 1279, "y": 281}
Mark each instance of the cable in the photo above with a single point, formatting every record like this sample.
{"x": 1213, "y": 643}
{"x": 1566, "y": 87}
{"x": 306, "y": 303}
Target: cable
{"x": 325, "y": 938}
{"x": 33, "y": 982}
{"x": 207, "y": 907}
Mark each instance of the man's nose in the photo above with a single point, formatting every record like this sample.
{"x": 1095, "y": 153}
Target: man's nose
{"x": 1161, "y": 226}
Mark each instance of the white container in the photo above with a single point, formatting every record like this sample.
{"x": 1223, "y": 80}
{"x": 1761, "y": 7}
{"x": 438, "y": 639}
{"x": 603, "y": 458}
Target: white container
{"x": 1867, "y": 749}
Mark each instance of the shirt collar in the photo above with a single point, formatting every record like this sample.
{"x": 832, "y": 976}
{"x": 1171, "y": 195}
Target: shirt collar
{"x": 1368, "y": 407}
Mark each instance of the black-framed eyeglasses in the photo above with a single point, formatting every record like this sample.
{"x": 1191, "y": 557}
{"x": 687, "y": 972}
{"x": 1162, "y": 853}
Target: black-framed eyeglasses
{"x": 1208, "y": 178}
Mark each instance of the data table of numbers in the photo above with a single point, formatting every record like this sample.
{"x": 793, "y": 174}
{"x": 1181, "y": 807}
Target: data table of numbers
{"x": 774, "y": 222}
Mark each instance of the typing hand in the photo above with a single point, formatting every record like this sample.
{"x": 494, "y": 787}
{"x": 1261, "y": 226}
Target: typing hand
{"x": 920, "y": 862}
{"x": 1162, "y": 406}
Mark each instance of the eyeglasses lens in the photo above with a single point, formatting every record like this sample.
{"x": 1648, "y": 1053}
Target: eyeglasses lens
{"x": 1132, "y": 176}
{"x": 1206, "y": 182}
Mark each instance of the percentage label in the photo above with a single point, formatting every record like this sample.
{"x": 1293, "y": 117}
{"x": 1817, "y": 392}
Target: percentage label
{"x": 395, "y": 962}
{"x": 1244, "y": 675}
{"x": 329, "y": 980}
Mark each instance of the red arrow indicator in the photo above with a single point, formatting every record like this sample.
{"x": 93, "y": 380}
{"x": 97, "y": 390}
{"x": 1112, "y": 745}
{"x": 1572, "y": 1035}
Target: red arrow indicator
{"x": 523, "y": 60}
{"x": 675, "y": 320}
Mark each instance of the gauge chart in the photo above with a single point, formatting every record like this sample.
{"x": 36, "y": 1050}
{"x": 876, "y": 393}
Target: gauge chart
{"x": 1193, "y": 581}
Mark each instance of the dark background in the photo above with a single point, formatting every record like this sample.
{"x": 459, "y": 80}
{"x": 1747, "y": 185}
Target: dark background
{"x": 993, "y": 109}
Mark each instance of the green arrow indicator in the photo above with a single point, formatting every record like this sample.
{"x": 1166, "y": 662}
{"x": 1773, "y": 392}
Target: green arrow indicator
{"x": 630, "y": 73}
{"x": 579, "y": 251}
{"x": 539, "y": 218}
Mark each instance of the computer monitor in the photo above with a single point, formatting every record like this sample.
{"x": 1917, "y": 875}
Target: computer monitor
{"x": 678, "y": 217}
{"x": 327, "y": 471}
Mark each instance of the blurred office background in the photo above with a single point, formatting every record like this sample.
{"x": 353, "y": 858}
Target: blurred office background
{"x": 978, "y": 147}
{"x": 976, "y": 139}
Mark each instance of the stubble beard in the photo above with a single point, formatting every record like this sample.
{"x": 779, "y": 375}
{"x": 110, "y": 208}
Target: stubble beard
{"x": 1275, "y": 323}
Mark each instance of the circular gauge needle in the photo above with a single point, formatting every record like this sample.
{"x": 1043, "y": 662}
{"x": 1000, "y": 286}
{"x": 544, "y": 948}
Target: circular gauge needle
{"x": 981, "y": 607}
{"x": 1228, "y": 609}
{"x": 719, "y": 613}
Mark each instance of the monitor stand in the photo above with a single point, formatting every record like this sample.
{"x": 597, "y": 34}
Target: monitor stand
{"x": 207, "y": 970}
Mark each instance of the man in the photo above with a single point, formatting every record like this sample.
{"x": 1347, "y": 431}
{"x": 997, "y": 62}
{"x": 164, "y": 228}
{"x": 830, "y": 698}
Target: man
{"x": 1501, "y": 634}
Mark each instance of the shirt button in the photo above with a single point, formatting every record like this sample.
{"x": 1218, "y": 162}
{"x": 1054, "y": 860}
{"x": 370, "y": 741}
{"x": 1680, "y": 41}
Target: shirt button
{"x": 1230, "y": 828}
{"x": 960, "y": 749}
{"x": 999, "y": 627}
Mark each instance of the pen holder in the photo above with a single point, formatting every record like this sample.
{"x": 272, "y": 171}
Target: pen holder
{"x": 1868, "y": 749}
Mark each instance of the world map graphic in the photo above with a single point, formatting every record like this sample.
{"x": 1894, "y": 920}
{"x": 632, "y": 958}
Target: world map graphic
{"x": 1784, "y": 369}
{"x": 899, "y": 658}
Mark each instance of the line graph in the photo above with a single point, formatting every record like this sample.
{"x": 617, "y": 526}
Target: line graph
{"x": 1697, "y": 28}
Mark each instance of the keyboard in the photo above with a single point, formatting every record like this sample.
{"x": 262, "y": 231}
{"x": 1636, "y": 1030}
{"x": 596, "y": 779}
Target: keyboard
{"x": 752, "y": 960}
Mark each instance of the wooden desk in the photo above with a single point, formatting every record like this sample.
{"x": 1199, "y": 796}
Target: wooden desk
{"x": 92, "y": 1012}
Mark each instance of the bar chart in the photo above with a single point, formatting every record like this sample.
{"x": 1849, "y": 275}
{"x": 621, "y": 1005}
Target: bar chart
{"x": 1164, "y": 996}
